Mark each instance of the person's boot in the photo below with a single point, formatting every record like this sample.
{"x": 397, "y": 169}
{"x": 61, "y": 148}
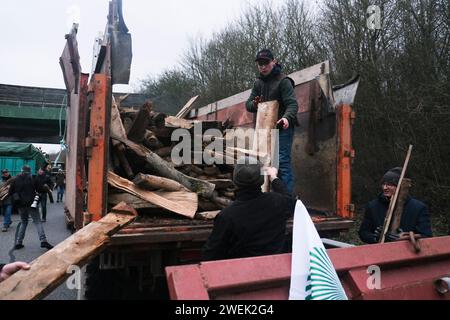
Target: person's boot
{"x": 45, "y": 244}
{"x": 18, "y": 246}
{"x": 4, "y": 229}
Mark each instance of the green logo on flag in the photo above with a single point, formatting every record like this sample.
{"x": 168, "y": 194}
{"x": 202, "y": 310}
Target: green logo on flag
{"x": 322, "y": 282}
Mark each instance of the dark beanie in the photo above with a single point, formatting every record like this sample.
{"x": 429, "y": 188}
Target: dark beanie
{"x": 392, "y": 176}
{"x": 26, "y": 169}
{"x": 247, "y": 173}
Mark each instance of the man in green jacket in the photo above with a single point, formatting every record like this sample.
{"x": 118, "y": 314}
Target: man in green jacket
{"x": 272, "y": 84}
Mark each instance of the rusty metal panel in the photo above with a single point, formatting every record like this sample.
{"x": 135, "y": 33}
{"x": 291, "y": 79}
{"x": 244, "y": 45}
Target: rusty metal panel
{"x": 314, "y": 151}
{"x": 98, "y": 145}
{"x": 405, "y": 274}
{"x": 75, "y": 156}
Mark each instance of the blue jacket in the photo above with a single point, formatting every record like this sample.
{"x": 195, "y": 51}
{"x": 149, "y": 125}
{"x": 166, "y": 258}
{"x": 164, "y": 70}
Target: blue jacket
{"x": 415, "y": 218}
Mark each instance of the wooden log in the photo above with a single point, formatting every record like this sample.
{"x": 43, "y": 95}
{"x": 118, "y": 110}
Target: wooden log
{"x": 127, "y": 124}
{"x": 137, "y": 131}
{"x": 163, "y": 169}
{"x": 117, "y": 129}
{"x": 174, "y": 122}
{"x": 222, "y": 183}
{"x": 186, "y": 206}
{"x": 164, "y": 151}
{"x": 206, "y": 205}
{"x": 266, "y": 120}
{"x": 151, "y": 141}
{"x": 138, "y": 203}
{"x": 157, "y": 119}
{"x": 131, "y": 200}
{"x": 221, "y": 201}
{"x": 211, "y": 170}
{"x": 187, "y": 107}
{"x": 398, "y": 211}
{"x": 150, "y": 182}
{"x": 207, "y": 215}
{"x": 53, "y": 267}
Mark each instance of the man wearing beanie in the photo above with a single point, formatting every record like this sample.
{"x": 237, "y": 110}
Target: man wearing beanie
{"x": 415, "y": 216}
{"x": 255, "y": 223}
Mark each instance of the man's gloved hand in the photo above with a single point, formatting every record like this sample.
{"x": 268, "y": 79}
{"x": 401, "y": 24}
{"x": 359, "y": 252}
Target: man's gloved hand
{"x": 390, "y": 236}
{"x": 256, "y": 101}
{"x": 377, "y": 233}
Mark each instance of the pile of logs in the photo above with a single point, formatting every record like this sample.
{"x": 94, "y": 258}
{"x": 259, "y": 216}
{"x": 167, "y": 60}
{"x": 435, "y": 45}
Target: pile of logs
{"x": 143, "y": 175}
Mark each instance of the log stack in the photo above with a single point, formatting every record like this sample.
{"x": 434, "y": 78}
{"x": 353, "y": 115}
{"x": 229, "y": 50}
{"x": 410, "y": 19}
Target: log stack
{"x": 143, "y": 174}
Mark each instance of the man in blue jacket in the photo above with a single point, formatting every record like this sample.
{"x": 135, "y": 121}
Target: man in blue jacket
{"x": 415, "y": 215}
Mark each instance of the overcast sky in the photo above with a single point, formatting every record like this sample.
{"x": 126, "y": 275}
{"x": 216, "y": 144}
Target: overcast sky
{"x": 32, "y": 34}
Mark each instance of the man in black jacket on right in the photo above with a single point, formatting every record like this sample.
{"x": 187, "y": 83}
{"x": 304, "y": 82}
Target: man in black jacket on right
{"x": 255, "y": 223}
{"x": 415, "y": 215}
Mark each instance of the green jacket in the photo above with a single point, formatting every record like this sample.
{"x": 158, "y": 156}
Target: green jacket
{"x": 276, "y": 86}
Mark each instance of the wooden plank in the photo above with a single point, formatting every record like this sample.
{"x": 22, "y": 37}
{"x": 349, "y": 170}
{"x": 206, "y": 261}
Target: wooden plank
{"x": 174, "y": 122}
{"x": 393, "y": 202}
{"x": 150, "y": 182}
{"x": 186, "y": 205}
{"x": 51, "y": 269}
{"x": 266, "y": 120}
{"x": 165, "y": 170}
{"x": 185, "y": 110}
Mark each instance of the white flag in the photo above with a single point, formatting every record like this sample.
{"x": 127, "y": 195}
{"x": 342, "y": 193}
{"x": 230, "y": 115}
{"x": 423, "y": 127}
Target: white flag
{"x": 313, "y": 276}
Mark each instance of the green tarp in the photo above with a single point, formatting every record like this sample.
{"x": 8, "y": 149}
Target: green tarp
{"x": 22, "y": 150}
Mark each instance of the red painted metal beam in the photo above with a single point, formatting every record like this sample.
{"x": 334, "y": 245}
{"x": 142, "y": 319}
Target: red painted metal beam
{"x": 404, "y": 273}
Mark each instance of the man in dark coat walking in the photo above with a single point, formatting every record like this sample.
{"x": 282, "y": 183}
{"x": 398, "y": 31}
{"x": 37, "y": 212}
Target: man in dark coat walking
{"x": 415, "y": 216}
{"x": 255, "y": 223}
{"x": 25, "y": 190}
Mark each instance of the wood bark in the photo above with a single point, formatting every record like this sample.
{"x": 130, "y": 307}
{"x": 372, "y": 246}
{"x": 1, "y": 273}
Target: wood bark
{"x": 266, "y": 120}
{"x": 150, "y": 182}
{"x": 186, "y": 205}
{"x": 141, "y": 122}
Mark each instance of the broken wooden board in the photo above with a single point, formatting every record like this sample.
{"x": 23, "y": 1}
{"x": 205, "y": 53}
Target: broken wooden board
{"x": 164, "y": 169}
{"x": 49, "y": 270}
{"x": 188, "y": 106}
{"x": 186, "y": 205}
{"x": 266, "y": 120}
{"x": 174, "y": 122}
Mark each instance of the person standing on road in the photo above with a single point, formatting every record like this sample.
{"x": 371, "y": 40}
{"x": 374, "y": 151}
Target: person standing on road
{"x": 272, "y": 84}
{"x": 46, "y": 182}
{"x": 6, "y": 204}
{"x": 60, "y": 185}
{"x": 25, "y": 191}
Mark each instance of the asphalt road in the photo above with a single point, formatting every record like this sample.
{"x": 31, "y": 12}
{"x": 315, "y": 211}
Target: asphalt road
{"x": 55, "y": 230}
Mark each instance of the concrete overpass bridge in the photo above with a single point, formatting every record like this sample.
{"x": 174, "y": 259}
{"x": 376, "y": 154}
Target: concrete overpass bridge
{"x": 38, "y": 115}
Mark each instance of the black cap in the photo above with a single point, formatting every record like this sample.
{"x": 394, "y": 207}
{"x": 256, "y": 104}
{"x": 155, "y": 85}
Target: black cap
{"x": 247, "y": 173}
{"x": 392, "y": 176}
{"x": 264, "y": 54}
{"x": 5, "y": 171}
